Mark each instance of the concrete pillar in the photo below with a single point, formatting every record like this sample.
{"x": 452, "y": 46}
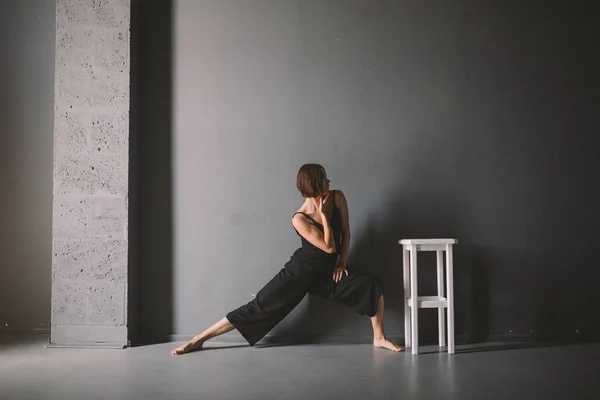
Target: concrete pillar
{"x": 91, "y": 159}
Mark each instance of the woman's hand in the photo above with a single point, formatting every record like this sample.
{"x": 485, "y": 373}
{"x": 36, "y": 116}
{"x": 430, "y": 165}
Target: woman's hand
{"x": 339, "y": 272}
{"x": 326, "y": 205}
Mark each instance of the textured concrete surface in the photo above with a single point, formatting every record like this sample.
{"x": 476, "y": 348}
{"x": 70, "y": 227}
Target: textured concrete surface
{"x": 486, "y": 372}
{"x": 91, "y": 149}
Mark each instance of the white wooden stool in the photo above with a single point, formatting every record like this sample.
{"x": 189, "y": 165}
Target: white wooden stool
{"x": 412, "y": 302}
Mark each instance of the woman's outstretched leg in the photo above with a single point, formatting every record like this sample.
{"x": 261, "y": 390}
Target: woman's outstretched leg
{"x": 221, "y": 327}
{"x": 379, "y": 339}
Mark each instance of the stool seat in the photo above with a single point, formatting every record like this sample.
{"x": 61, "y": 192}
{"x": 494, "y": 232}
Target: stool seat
{"x": 428, "y": 244}
{"x": 443, "y": 301}
{"x": 428, "y": 241}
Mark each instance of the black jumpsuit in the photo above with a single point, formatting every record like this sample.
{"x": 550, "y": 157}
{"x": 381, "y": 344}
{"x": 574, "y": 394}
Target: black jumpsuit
{"x": 309, "y": 270}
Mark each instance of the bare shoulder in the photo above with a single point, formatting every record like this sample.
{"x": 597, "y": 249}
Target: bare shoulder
{"x": 299, "y": 219}
{"x": 340, "y": 198}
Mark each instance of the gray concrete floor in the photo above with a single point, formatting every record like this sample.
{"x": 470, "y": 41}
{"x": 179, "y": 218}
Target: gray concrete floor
{"x": 28, "y": 370}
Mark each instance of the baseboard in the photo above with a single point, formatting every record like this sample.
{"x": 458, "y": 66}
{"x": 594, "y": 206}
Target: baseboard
{"x": 93, "y": 337}
{"x": 86, "y": 346}
{"x": 532, "y": 337}
{"x": 510, "y": 337}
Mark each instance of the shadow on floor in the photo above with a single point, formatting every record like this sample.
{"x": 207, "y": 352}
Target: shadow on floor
{"x": 225, "y": 347}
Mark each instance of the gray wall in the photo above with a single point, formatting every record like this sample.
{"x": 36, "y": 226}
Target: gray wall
{"x": 436, "y": 118}
{"x": 27, "y": 37}
{"x": 471, "y": 120}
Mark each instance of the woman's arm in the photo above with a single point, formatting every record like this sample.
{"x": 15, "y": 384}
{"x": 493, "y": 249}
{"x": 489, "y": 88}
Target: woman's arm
{"x": 322, "y": 240}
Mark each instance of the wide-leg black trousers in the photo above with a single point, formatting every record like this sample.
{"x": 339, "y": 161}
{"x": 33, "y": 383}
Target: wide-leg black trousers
{"x": 359, "y": 291}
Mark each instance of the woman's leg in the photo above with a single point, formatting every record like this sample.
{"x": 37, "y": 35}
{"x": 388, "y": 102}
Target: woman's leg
{"x": 361, "y": 292}
{"x": 221, "y": 327}
{"x": 379, "y": 339}
{"x": 256, "y": 318}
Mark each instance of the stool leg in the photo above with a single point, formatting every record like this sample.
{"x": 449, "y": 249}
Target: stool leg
{"x": 406, "y": 271}
{"x": 414, "y": 315}
{"x": 450, "y": 296}
{"x": 440, "y": 287}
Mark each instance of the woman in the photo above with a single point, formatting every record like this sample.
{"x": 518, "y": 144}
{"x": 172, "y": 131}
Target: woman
{"x": 318, "y": 267}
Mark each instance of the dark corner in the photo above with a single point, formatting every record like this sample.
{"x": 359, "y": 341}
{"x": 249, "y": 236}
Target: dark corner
{"x": 150, "y": 309}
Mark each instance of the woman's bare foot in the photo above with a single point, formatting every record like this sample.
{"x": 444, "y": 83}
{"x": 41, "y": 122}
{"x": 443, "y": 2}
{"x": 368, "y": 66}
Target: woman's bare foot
{"x": 386, "y": 344}
{"x": 188, "y": 347}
